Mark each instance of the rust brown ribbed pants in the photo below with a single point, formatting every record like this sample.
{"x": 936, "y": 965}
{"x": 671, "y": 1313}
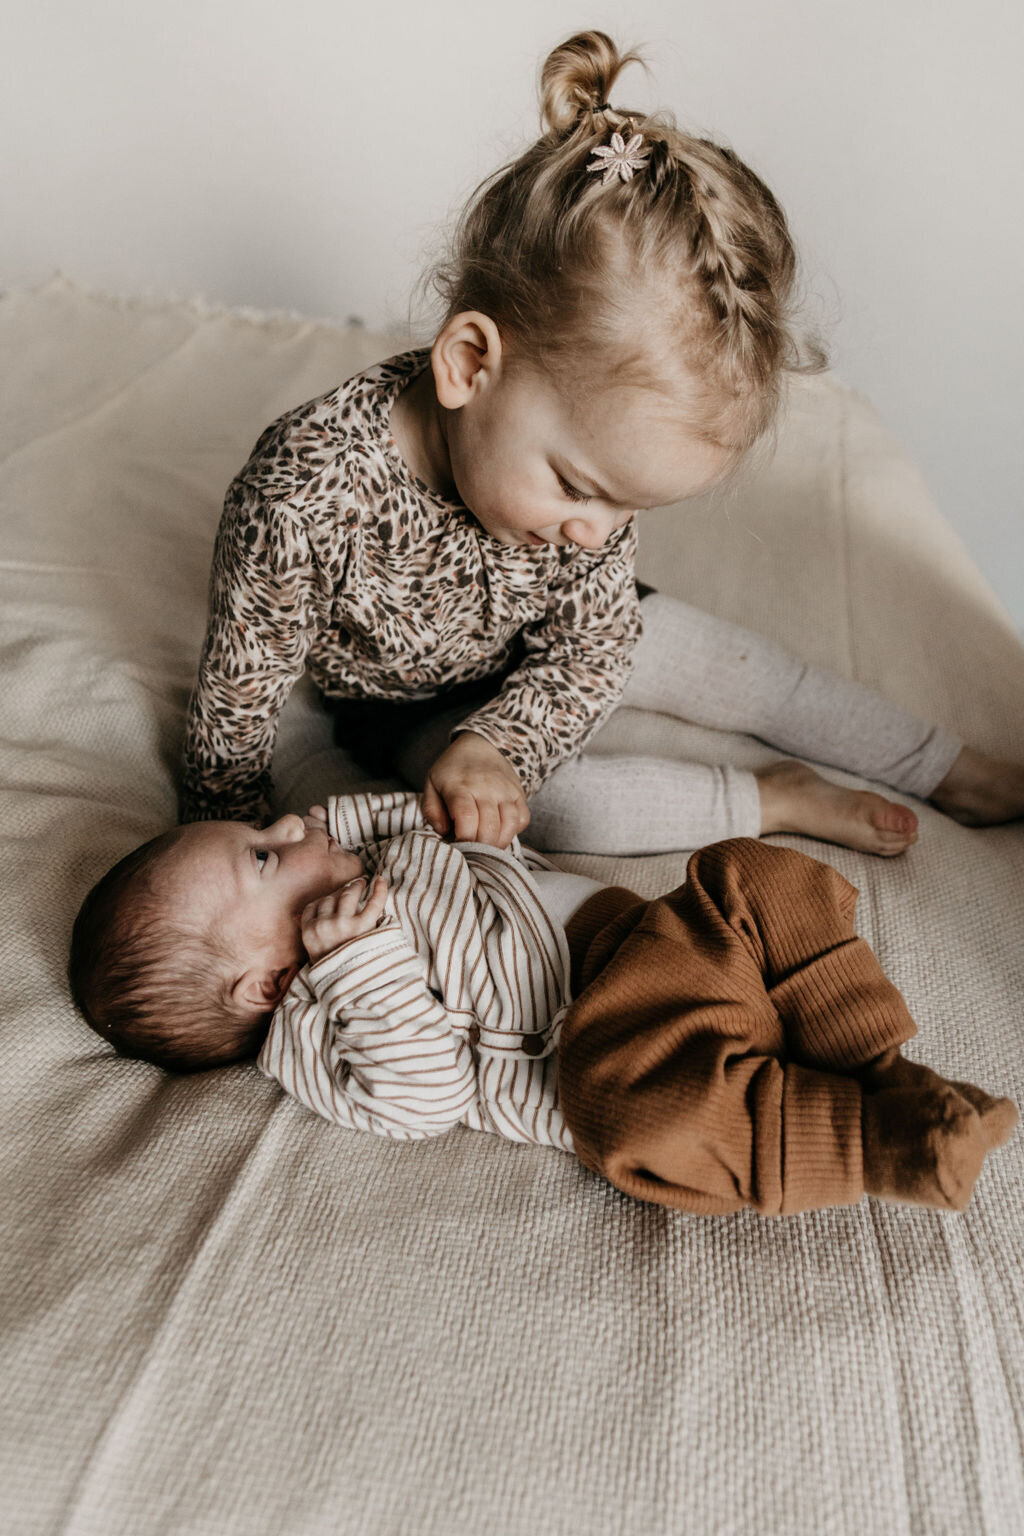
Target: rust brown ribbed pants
{"x": 707, "y": 1059}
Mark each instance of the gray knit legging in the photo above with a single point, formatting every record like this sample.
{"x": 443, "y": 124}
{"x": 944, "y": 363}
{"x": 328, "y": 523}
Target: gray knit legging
{"x": 712, "y": 673}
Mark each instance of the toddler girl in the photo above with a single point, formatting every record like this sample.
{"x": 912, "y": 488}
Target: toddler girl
{"x": 447, "y": 541}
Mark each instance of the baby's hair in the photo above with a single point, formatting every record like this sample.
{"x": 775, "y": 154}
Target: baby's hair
{"x": 688, "y": 262}
{"x": 151, "y": 983}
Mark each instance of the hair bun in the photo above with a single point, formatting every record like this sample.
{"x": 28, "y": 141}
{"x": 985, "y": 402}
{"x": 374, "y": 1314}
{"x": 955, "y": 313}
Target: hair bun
{"x": 577, "y": 78}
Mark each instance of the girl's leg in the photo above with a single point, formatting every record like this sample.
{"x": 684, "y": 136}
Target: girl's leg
{"x": 638, "y": 805}
{"x": 701, "y": 668}
{"x": 980, "y": 790}
{"x": 713, "y": 673}
{"x": 644, "y": 805}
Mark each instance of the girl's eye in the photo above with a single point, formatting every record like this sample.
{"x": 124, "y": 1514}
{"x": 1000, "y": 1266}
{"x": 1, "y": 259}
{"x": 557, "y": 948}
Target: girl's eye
{"x": 261, "y": 855}
{"x": 571, "y": 491}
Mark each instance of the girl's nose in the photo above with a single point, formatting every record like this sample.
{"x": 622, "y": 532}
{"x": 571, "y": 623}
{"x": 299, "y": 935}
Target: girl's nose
{"x": 287, "y": 829}
{"x": 589, "y": 533}
{"x": 595, "y": 529}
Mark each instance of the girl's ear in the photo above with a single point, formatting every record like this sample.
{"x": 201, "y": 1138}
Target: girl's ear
{"x": 259, "y": 989}
{"x": 465, "y": 358}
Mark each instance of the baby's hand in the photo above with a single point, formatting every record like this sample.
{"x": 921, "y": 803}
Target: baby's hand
{"x": 334, "y": 919}
{"x": 473, "y": 792}
{"x": 316, "y": 817}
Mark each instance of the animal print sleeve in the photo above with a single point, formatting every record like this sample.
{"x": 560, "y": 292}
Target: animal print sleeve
{"x": 577, "y": 663}
{"x": 266, "y": 605}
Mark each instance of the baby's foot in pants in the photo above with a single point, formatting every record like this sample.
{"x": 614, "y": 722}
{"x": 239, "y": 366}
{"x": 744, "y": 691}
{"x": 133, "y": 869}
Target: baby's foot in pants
{"x": 893, "y": 1070}
{"x": 926, "y": 1145}
{"x": 998, "y": 1116}
{"x": 922, "y": 1147}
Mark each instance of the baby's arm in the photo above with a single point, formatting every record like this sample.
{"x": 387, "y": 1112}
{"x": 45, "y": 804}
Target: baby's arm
{"x": 360, "y": 1038}
{"x": 368, "y": 816}
{"x": 264, "y": 610}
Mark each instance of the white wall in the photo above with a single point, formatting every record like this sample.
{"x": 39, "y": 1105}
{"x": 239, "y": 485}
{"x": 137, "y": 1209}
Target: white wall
{"x": 303, "y": 155}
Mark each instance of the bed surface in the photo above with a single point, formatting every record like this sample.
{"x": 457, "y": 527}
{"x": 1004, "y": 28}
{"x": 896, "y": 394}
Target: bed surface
{"x": 221, "y": 1315}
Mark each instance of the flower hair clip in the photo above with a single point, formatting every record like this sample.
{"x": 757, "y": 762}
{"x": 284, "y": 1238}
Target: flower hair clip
{"x": 619, "y": 158}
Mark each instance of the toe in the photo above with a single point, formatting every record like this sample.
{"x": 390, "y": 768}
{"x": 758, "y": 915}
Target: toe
{"x": 998, "y": 1116}
{"x": 887, "y": 816}
{"x": 895, "y": 826}
{"x": 999, "y": 1122}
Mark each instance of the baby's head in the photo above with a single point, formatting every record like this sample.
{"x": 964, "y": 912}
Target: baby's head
{"x": 644, "y": 300}
{"x": 182, "y": 951}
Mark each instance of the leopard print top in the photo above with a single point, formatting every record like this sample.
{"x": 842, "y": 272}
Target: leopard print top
{"x": 332, "y": 555}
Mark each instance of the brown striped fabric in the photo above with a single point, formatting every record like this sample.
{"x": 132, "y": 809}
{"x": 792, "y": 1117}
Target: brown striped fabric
{"x": 448, "y": 1012}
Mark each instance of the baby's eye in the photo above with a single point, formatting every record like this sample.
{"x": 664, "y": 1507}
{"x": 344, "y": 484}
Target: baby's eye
{"x": 261, "y": 855}
{"x": 571, "y": 491}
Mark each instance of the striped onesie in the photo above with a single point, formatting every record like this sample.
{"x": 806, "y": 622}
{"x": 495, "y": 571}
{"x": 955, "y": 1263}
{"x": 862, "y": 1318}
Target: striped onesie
{"x": 449, "y": 1011}
{"x": 731, "y": 1044}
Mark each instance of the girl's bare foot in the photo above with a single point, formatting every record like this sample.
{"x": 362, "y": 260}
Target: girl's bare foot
{"x": 796, "y": 799}
{"x": 980, "y": 790}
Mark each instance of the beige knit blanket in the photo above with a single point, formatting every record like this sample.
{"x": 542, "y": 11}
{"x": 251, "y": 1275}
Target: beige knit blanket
{"x": 221, "y": 1314}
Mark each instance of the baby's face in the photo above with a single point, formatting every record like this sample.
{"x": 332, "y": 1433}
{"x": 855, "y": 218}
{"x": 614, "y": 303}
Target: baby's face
{"x": 252, "y": 885}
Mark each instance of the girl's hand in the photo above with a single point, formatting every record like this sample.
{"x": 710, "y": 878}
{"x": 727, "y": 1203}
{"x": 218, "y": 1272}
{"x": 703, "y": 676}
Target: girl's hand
{"x": 334, "y": 919}
{"x": 474, "y": 793}
{"x": 316, "y": 817}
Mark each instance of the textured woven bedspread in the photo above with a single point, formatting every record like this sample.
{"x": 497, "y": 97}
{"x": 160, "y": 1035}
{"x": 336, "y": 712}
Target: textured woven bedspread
{"x": 222, "y": 1315}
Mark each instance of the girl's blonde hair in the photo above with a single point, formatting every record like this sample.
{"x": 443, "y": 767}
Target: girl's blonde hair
{"x": 685, "y": 269}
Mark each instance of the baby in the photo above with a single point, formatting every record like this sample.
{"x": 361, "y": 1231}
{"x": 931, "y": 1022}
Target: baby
{"x": 731, "y": 1044}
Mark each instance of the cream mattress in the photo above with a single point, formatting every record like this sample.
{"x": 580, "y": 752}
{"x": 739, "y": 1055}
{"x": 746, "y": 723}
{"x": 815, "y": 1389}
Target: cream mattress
{"x": 221, "y": 1315}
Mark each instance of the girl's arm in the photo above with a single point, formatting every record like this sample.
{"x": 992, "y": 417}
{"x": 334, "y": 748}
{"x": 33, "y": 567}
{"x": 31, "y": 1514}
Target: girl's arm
{"x": 577, "y": 663}
{"x": 265, "y": 607}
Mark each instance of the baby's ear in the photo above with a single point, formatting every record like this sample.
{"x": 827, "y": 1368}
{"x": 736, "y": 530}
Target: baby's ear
{"x": 260, "y": 989}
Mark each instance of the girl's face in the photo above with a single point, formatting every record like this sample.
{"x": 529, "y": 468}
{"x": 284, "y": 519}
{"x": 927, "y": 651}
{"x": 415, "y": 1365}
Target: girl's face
{"x": 537, "y": 465}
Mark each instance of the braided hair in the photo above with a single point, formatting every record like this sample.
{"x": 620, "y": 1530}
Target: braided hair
{"x": 685, "y": 268}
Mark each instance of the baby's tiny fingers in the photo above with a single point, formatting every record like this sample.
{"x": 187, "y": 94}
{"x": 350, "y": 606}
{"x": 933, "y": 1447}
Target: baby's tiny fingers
{"x": 313, "y": 908}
